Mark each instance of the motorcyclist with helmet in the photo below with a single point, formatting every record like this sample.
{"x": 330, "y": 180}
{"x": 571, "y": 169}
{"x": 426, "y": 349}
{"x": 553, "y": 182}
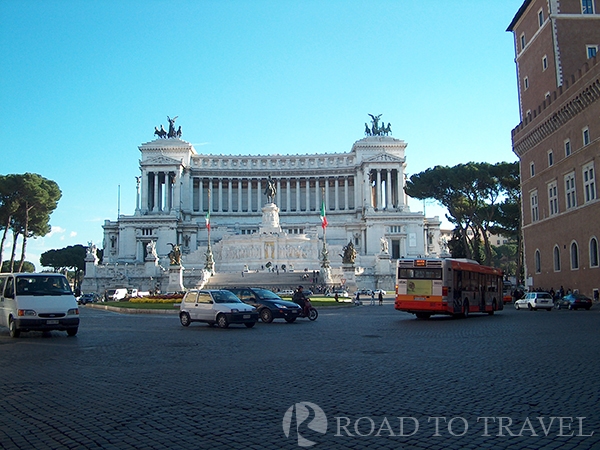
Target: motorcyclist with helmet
{"x": 300, "y": 299}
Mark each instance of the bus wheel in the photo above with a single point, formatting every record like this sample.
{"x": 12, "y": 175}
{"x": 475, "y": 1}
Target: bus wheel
{"x": 466, "y": 309}
{"x": 422, "y": 315}
{"x": 491, "y": 313}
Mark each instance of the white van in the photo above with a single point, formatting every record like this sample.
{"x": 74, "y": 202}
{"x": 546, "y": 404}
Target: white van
{"x": 37, "y": 302}
{"x": 120, "y": 294}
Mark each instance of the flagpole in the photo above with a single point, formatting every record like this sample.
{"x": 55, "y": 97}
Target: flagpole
{"x": 210, "y": 262}
{"x": 324, "y": 252}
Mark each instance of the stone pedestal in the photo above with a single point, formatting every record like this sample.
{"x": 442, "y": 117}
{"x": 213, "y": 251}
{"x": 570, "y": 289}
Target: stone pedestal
{"x": 175, "y": 279}
{"x": 384, "y": 266}
{"x": 349, "y": 276}
{"x": 270, "y": 219}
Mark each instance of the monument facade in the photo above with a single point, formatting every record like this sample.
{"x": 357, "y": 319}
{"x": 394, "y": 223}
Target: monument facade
{"x": 265, "y": 211}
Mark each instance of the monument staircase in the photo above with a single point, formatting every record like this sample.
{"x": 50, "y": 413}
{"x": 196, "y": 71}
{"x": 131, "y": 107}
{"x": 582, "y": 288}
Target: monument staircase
{"x": 264, "y": 279}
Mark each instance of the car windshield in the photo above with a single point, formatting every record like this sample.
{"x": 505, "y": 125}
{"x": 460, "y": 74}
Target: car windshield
{"x": 544, "y": 295}
{"x": 43, "y": 285}
{"x": 225, "y": 297}
{"x": 266, "y": 294}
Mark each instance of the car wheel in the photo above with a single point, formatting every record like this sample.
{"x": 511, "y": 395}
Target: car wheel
{"x": 571, "y": 307}
{"x": 250, "y": 324}
{"x": 266, "y": 315}
{"x": 290, "y": 319}
{"x": 72, "y": 332}
{"x": 185, "y": 320}
{"x": 529, "y": 307}
{"x": 12, "y": 329}
{"x": 517, "y": 307}
{"x": 222, "y": 321}
{"x": 557, "y": 305}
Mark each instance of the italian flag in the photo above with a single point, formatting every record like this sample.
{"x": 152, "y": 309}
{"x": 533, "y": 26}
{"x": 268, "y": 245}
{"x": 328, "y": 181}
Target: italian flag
{"x": 207, "y": 220}
{"x": 323, "y": 216}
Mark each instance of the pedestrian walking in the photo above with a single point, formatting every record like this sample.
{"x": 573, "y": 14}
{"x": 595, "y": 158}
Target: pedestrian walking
{"x": 380, "y": 298}
{"x": 372, "y": 299}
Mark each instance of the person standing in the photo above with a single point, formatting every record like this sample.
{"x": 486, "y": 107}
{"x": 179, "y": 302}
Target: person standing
{"x": 372, "y": 299}
{"x": 380, "y": 298}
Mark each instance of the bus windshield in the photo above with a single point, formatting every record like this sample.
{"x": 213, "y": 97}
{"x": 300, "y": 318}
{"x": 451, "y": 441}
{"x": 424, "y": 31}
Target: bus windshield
{"x": 422, "y": 274}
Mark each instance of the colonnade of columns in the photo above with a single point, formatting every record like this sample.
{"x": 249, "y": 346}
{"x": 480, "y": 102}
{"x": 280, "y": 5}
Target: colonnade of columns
{"x": 382, "y": 189}
{"x": 293, "y": 194}
{"x": 160, "y": 191}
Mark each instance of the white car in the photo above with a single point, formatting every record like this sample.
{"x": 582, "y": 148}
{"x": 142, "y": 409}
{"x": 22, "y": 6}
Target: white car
{"x": 339, "y": 292}
{"x": 286, "y": 293}
{"x": 536, "y": 300}
{"x": 215, "y": 307}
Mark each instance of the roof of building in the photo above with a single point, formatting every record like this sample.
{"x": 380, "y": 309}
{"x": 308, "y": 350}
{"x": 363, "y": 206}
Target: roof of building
{"x": 520, "y": 12}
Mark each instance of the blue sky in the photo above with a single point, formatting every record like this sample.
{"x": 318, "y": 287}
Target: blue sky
{"x": 84, "y": 83}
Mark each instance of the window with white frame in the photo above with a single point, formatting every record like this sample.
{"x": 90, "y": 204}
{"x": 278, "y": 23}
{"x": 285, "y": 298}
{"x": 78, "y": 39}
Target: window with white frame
{"x": 567, "y": 147}
{"x": 523, "y": 41}
{"x": 553, "y": 198}
{"x": 538, "y": 262}
{"x": 556, "y": 259}
{"x": 526, "y": 82}
{"x": 586, "y": 136}
{"x": 587, "y": 6}
{"x": 550, "y": 158}
{"x": 571, "y": 199}
{"x": 535, "y": 212}
{"x": 591, "y": 50}
{"x": 574, "y": 256}
{"x": 594, "y": 257}
{"x": 541, "y": 17}
{"x": 532, "y": 169}
{"x": 589, "y": 182}
{"x": 544, "y": 62}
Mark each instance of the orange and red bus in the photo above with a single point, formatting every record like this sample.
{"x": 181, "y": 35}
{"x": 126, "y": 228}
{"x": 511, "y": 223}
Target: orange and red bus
{"x": 455, "y": 287}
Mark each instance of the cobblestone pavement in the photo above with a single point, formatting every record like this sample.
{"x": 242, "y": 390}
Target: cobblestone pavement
{"x": 145, "y": 382}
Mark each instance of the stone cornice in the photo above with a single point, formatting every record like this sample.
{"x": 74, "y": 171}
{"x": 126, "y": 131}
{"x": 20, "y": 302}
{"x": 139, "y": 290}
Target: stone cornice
{"x": 161, "y": 161}
{"x": 529, "y": 134}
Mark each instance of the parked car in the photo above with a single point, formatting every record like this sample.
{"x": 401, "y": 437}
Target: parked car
{"x": 286, "y": 293}
{"x": 377, "y": 291}
{"x": 215, "y": 307}
{"x": 574, "y": 301}
{"x": 270, "y": 306}
{"x": 536, "y": 300}
{"x": 339, "y": 292}
{"x": 366, "y": 292}
{"x": 90, "y": 297}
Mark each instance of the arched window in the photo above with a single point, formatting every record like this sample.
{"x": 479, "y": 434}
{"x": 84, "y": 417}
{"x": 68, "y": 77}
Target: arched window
{"x": 574, "y": 256}
{"x": 538, "y": 262}
{"x": 556, "y": 259}
{"x": 593, "y": 252}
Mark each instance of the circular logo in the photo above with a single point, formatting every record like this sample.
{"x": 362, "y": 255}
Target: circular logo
{"x": 297, "y": 415}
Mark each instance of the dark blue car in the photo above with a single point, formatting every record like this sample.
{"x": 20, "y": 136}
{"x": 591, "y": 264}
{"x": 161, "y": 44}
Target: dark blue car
{"x": 574, "y": 301}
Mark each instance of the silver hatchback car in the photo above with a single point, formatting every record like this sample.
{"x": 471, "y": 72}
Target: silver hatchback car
{"x": 536, "y": 300}
{"x": 216, "y": 307}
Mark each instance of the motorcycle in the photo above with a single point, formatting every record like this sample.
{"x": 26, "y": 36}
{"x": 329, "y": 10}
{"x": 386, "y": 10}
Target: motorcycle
{"x": 309, "y": 311}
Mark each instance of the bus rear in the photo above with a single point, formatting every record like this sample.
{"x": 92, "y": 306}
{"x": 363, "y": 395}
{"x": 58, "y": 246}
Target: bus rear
{"x": 420, "y": 287}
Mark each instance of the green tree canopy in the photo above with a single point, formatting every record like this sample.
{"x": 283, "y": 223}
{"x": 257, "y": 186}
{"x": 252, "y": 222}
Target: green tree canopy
{"x": 64, "y": 259}
{"x": 479, "y": 197}
{"x": 26, "y": 203}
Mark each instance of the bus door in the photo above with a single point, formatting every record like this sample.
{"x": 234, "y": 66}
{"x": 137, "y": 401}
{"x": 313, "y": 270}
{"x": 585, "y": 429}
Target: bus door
{"x": 457, "y": 288}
